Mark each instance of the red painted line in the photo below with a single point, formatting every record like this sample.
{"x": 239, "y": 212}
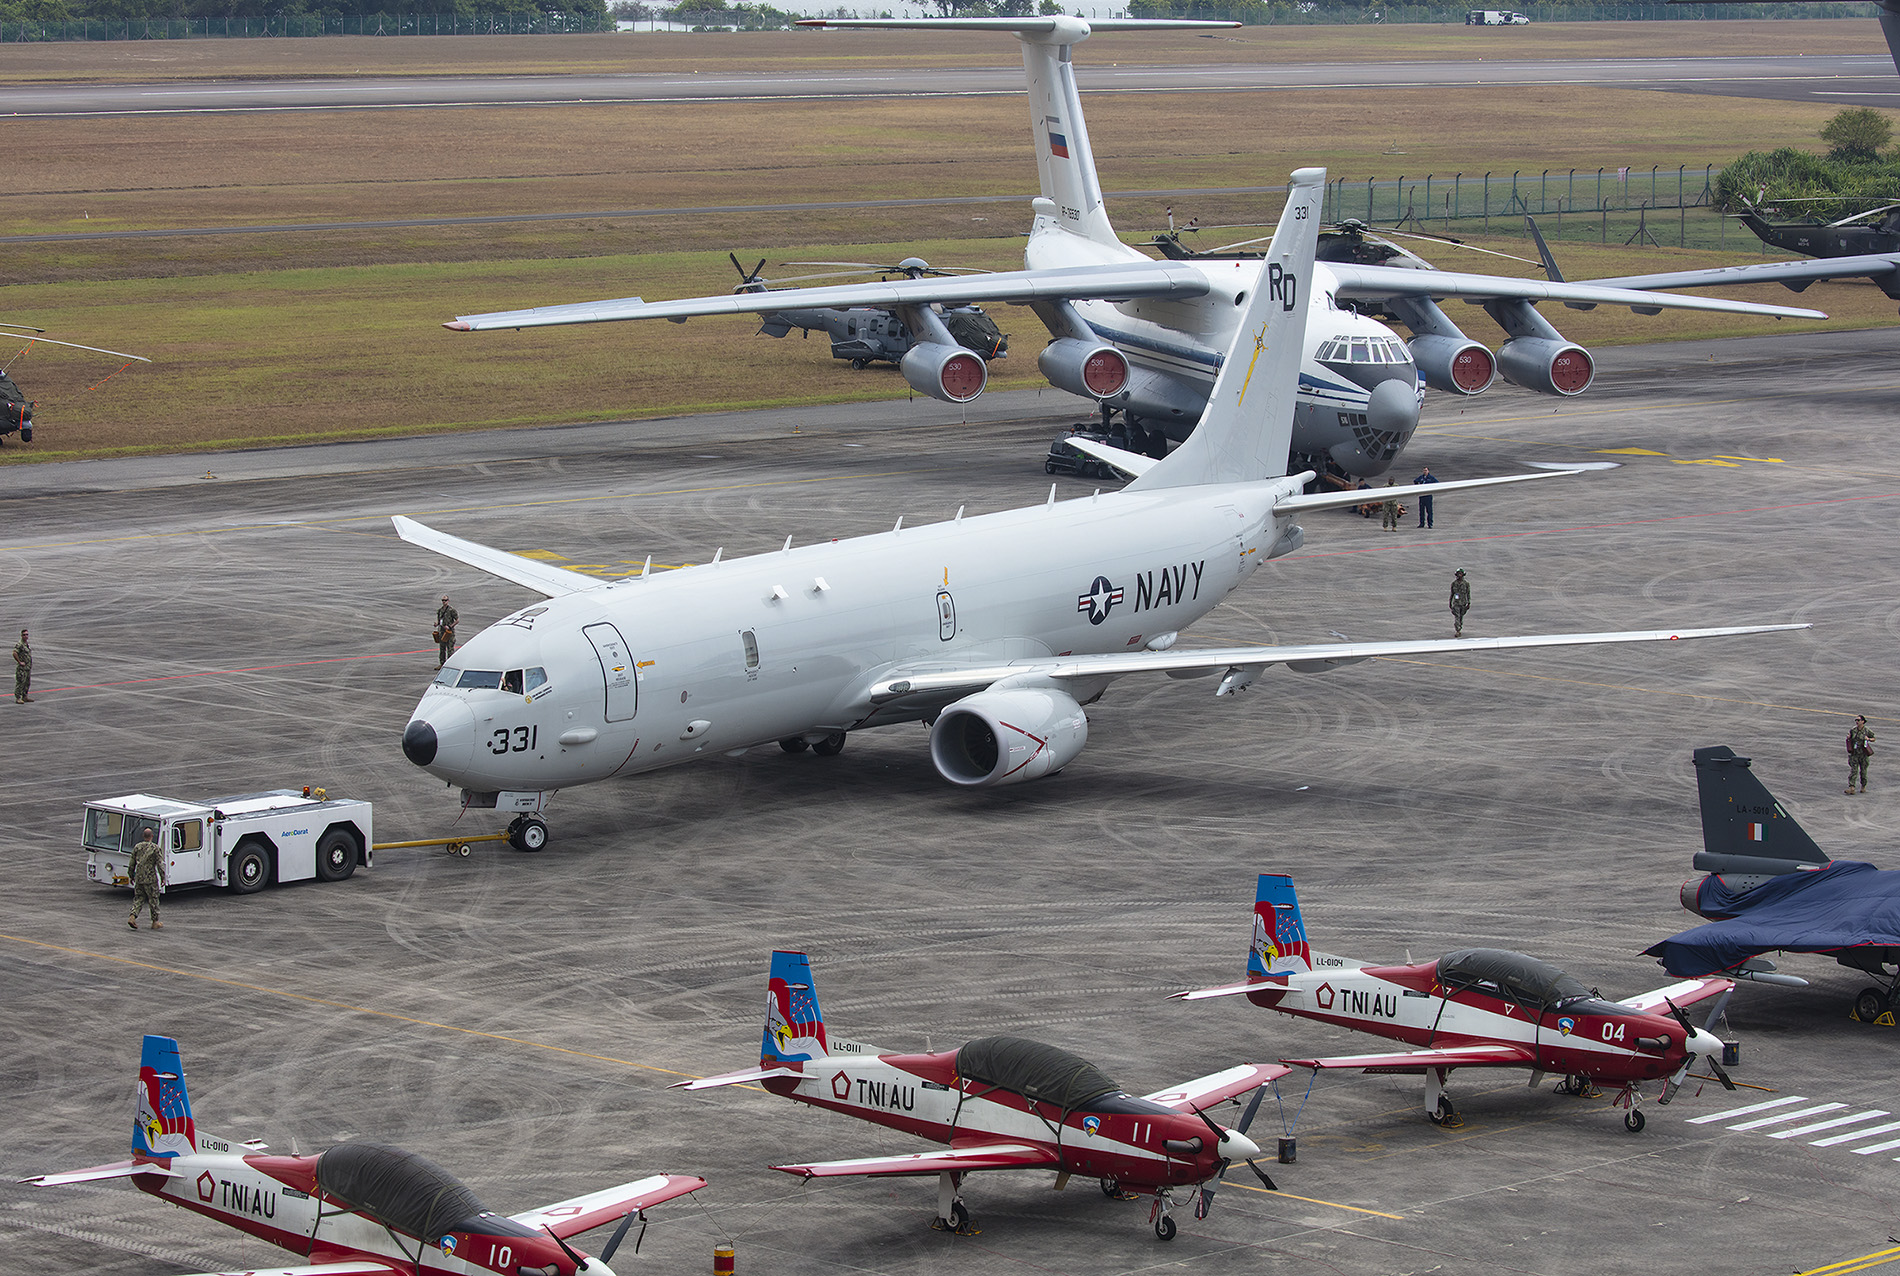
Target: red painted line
{"x": 1589, "y": 527}
{"x": 217, "y": 673}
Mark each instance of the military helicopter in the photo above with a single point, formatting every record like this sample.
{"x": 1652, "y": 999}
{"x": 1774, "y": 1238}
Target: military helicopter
{"x": 16, "y": 410}
{"x": 1843, "y": 238}
{"x": 870, "y": 334}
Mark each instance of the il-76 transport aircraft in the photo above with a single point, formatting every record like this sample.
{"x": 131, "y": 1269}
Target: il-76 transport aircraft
{"x": 996, "y": 630}
{"x": 1148, "y": 337}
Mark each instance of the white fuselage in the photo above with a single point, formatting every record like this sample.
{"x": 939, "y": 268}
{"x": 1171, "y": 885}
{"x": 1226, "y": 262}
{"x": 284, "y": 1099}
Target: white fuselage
{"x": 649, "y": 672}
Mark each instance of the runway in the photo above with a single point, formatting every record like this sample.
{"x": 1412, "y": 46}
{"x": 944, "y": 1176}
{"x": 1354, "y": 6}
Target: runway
{"x": 1825, "y": 78}
{"x": 218, "y": 623}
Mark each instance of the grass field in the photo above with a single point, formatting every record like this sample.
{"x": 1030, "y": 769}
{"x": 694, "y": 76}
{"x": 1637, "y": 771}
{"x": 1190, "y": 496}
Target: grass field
{"x": 334, "y": 333}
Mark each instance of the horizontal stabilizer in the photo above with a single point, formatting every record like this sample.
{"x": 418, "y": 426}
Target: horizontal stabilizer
{"x": 1230, "y": 990}
{"x": 572, "y": 1217}
{"x": 116, "y": 1170}
{"x": 735, "y": 1078}
{"x": 1204, "y": 1092}
{"x": 1133, "y": 464}
{"x": 549, "y": 582}
{"x": 1304, "y": 504}
{"x": 983, "y": 1156}
{"x": 1492, "y": 1056}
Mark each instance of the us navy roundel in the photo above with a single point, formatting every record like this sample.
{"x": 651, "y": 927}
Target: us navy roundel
{"x": 1101, "y": 597}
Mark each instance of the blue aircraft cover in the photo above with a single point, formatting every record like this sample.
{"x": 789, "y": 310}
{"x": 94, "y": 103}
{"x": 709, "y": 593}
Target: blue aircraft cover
{"x": 1846, "y": 905}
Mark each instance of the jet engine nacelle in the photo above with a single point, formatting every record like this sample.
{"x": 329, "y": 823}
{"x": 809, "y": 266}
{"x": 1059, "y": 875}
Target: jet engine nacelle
{"x": 1454, "y": 365}
{"x": 1087, "y": 368}
{"x": 950, "y": 373}
{"x": 1007, "y": 735}
{"x": 1546, "y": 366}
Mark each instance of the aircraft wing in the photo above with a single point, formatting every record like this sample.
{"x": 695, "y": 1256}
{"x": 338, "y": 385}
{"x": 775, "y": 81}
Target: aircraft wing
{"x": 1487, "y": 1056}
{"x": 1378, "y": 283}
{"x": 98, "y": 1173}
{"x": 342, "y": 1267}
{"x": 571, "y": 1218}
{"x": 1686, "y": 993}
{"x": 1116, "y": 281}
{"x": 975, "y": 1156}
{"x": 735, "y": 1078}
{"x": 1205, "y": 1092}
{"x": 935, "y": 681}
{"x": 543, "y": 579}
{"x": 1804, "y": 272}
{"x": 1848, "y": 904}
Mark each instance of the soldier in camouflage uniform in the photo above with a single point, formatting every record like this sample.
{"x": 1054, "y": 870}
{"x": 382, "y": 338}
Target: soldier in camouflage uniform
{"x": 147, "y": 872}
{"x": 1391, "y": 523}
{"x": 445, "y": 618}
{"x": 1460, "y": 602}
{"x": 22, "y": 669}
{"x": 1860, "y": 747}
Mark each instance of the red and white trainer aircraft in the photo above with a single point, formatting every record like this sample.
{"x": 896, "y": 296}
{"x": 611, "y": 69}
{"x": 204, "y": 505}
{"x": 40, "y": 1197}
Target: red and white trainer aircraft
{"x": 357, "y": 1209}
{"x": 1476, "y": 1008}
{"x": 1001, "y": 1103}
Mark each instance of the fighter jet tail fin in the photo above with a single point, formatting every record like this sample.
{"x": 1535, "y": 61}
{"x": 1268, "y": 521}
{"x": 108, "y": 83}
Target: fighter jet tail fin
{"x": 794, "y": 1026}
{"x": 1744, "y": 829}
{"x": 162, "y": 1127}
{"x": 1247, "y": 429}
{"x": 1279, "y": 945}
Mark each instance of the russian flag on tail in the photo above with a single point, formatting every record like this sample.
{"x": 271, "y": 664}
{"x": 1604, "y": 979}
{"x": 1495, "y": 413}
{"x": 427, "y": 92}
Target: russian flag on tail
{"x": 1058, "y": 145}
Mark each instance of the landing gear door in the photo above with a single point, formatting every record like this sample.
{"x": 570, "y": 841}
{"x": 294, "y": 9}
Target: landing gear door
{"x": 617, "y": 667}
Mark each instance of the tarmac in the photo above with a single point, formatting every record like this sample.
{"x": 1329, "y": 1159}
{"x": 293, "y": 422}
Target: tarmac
{"x": 215, "y": 624}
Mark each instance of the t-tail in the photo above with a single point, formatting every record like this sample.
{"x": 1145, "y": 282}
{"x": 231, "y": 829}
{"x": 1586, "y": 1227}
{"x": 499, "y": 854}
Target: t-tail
{"x": 1279, "y": 944}
{"x": 794, "y": 1026}
{"x": 1247, "y": 430}
{"x": 162, "y": 1127}
{"x": 1745, "y": 831}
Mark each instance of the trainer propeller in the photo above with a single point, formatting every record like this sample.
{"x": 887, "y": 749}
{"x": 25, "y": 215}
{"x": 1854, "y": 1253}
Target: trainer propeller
{"x": 1689, "y": 1035}
{"x": 620, "y": 1234}
{"x": 1206, "y": 1203}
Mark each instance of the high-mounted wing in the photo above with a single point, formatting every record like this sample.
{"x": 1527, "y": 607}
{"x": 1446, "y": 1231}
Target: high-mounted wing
{"x": 99, "y": 1173}
{"x": 1487, "y": 1056}
{"x": 1118, "y": 281}
{"x": 1876, "y": 266}
{"x": 977, "y": 1156}
{"x": 1217, "y": 1087}
{"x": 1686, "y": 993}
{"x": 1380, "y": 283}
{"x": 540, "y": 577}
{"x": 572, "y": 1217}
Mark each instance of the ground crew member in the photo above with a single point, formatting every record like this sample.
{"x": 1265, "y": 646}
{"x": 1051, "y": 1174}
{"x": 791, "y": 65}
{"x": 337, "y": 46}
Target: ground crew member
{"x": 1860, "y": 747}
{"x": 1425, "y": 502}
{"x": 148, "y": 871}
{"x": 445, "y": 618}
{"x": 1391, "y": 523}
{"x": 22, "y": 670}
{"x": 1460, "y": 601}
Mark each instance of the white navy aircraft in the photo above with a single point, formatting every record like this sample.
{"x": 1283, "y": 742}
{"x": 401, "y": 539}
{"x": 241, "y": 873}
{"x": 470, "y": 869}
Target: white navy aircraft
{"x": 948, "y": 623}
{"x": 1148, "y": 337}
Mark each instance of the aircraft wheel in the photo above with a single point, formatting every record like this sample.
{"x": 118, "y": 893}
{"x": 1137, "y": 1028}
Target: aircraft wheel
{"x": 794, "y": 744}
{"x": 959, "y": 1216}
{"x": 1444, "y": 1114}
{"x": 529, "y": 834}
{"x": 1164, "y": 1228}
{"x": 250, "y": 868}
{"x": 1634, "y": 1121}
{"x": 1111, "y": 1189}
{"x": 1870, "y": 1004}
{"x": 336, "y": 856}
{"x": 831, "y": 746}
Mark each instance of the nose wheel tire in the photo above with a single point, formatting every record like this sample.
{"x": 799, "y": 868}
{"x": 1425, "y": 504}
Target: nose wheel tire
{"x": 1634, "y": 1121}
{"x": 831, "y": 746}
{"x": 1164, "y": 1228}
{"x": 528, "y": 833}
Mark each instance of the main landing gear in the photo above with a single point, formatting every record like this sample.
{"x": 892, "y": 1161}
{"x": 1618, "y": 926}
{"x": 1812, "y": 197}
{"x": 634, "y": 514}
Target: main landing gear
{"x": 953, "y": 1215}
{"x": 829, "y": 745}
{"x": 1438, "y": 1109}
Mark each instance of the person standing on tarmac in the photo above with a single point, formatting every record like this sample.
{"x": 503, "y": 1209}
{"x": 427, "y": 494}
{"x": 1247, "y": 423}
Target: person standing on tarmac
{"x": 1860, "y": 747}
{"x": 22, "y": 670}
{"x": 1391, "y": 523}
{"x": 1460, "y": 602}
{"x": 445, "y": 618}
{"x": 148, "y": 872}
{"x": 1425, "y": 500}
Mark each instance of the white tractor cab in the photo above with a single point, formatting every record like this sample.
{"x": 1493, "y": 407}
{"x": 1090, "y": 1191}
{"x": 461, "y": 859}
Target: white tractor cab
{"x": 244, "y": 842}
{"x": 1494, "y": 18}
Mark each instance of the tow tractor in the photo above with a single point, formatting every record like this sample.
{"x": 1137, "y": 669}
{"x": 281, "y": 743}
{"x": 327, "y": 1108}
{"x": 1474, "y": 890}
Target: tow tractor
{"x": 243, "y": 843}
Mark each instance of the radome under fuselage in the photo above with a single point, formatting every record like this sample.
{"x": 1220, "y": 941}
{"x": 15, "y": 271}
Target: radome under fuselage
{"x": 649, "y": 672}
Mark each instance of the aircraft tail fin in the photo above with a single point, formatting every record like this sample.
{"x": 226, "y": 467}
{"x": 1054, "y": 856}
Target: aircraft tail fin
{"x": 163, "y": 1126}
{"x": 794, "y": 1026}
{"x": 1246, "y": 432}
{"x": 1743, "y": 827}
{"x": 1279, "y": 935}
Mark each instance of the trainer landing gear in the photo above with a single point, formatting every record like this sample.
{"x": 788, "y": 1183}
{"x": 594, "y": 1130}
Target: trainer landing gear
{"x": 953, "y": 1215}
{"x": 1163, "y": 1209}
{"x": 1438, "y": 1108}
{"x": 1629, "y": 1097}
{"x": 1579, "y": 1087}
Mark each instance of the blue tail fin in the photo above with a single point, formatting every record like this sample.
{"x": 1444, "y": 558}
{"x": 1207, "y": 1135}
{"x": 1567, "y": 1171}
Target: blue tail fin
{"x": 163, "y": 1125}
{"x": 1279, "y": 936}
{"x": 794, "y": 1026}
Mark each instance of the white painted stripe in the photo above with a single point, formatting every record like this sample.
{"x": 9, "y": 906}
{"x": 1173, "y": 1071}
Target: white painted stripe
{"x": 1796, "y": 1115}
{"x": 1753, "y": 1107}
{"x": 1851, "y": 1135}
{"x": 1872, "y": 1148}
{"x": 1830, "y": 1124}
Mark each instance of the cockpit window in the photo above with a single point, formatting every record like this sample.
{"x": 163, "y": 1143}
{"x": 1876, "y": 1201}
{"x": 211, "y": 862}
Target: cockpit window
{"x": 490, "y": 678}
{"x": 534, "y": 677}
{"x": 511, "y": 681}
{"x": 1365, "y": 350}
{"x": 446, "y": 677}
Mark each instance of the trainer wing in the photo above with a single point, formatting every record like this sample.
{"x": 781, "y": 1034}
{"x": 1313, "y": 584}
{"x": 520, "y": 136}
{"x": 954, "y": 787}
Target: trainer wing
{"x": 975, "y": 1156}
{"x": 1489, "y": 1056}
{"x": 1204, "y": 1092}
{"x": 1686, "y": 993}
{"x": 342, "y": 1267}
{"x": 572, "y": 1217}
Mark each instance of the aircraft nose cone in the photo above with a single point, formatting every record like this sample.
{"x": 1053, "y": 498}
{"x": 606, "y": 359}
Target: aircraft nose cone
{"x": 1705, "y": 1043}
{"x": 1392, "y": 409}
{"x": 1236, "y": 1146}
{"x": 419, "y": 742}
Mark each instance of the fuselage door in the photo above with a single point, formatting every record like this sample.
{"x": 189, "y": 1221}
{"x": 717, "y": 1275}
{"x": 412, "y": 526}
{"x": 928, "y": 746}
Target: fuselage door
{"x": 946, "y": 615}
{"x": 617, "y": 667}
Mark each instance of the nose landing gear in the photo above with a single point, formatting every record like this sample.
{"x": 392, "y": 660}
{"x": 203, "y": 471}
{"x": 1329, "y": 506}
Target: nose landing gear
{"x": 528, "y": 833}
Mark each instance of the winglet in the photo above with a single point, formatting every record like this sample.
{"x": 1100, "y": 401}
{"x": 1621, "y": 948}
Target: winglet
{"x": 548, "y": 581}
